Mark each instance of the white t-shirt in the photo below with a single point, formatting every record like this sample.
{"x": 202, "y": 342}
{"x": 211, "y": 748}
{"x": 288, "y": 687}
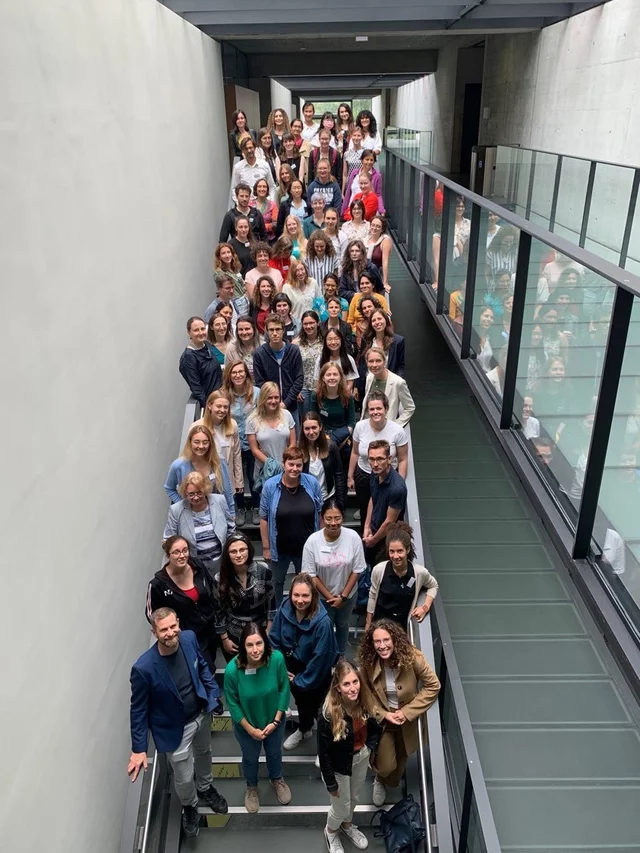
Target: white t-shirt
{"x": 532, "y": 428}
{"x": 272, "y": 441}
{"x": 316, "y": 469}
{"x": 333, "y": 562}
{"x": 309, "y": 130}
{"x": 364, "y": 435}
{"x": 391, "y": 690}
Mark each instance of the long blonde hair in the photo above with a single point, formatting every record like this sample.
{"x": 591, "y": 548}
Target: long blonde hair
{"x": 207, "y": 420}
{"x": 333, "y": 708}
{"x": 291, "y": 278}
{"x": 213, "y": 459}
{"x": 270, "y": 122}
{"x": 260, "y": 414}
{"x": 301, "y": 239}
{"x": 228, "y": 386}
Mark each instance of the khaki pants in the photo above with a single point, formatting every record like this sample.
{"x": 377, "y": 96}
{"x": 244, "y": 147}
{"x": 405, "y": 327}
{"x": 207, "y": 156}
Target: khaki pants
{"x": 391, "y": 758}
{"x": 349, "y": 788}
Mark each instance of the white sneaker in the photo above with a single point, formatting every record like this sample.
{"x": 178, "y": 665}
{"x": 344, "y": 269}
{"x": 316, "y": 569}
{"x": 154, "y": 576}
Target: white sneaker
{"x": 334, "y": 845}
{"x": 379, "y": 793}
{"x": 296, "y": 739}
{"x": 357, "y": 838}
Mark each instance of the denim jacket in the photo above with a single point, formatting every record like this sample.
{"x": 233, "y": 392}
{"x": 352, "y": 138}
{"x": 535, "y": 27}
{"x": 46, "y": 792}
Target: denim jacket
{"x": 271, "y": 498}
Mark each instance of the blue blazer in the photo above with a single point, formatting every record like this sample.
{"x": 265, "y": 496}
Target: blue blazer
{"x": 156, "y": 702}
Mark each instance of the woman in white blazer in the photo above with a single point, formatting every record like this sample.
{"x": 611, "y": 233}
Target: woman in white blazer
{"x": 397, "y": 582}
{"x": 401, "y": 405}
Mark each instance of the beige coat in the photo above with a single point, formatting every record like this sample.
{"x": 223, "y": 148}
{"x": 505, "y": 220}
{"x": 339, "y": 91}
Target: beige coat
{"x": 401, "y": 405}
{"x": 424, "y": 580}
{"x": 412, "y": 699}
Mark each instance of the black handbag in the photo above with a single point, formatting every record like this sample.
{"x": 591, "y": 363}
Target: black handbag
{"x": 400, "y": 827}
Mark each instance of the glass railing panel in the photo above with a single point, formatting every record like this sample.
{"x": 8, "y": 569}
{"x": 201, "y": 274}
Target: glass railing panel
{"x": 456, "y": 272}
{"x": 633, "y": 254}
{"x": 542, "y": 189}
{"x": 424, "y": 146}
{"x": 487, "y": 304}
{"x": 432, "y": 197}
{"x": 572, "y": 194}
{"x": 416, "y": 213}
{"x": 522, "y": 180}
{"x": 407, "y": 212}
{"x": 475, "y": 836}
{"x": 454, "y": 748}
{"x": 609, "y": 210}
{"x": 565, "y": 324}
{"x": 505, "y": 174}
{"x": 617, "y": 529}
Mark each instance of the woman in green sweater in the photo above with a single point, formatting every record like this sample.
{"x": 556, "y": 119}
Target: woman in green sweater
{"x": 256, "y": 687}
{"x": 334, "y": 404}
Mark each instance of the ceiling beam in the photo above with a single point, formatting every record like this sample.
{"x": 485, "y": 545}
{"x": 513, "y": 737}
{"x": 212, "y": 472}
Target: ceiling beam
{"x": 417, "y": 62}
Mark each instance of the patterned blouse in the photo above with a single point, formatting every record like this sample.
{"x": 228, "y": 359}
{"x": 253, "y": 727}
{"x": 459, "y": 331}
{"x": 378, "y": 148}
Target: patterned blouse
{"x": 256, "y": 603}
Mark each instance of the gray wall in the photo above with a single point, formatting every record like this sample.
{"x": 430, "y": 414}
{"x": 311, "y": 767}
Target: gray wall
{"x": 114, "y": 174}
{"x": 571, "y": 88}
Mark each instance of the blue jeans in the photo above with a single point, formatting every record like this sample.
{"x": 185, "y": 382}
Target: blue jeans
{"x": 280, "y": 567}
{"x": 304, "y": 406}
{"x": 251, "y": 750}
{"x": 340, "y": 618}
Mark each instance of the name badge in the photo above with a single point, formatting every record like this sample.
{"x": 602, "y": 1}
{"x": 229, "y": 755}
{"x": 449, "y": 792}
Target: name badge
{"x": 325, "y": 550}
{"x": 411, "y": 582}
{"x": 250, "y": 670}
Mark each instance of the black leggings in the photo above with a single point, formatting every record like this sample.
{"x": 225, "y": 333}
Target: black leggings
{"x": 308, "y": 702}
{"x": 363, "y": 493}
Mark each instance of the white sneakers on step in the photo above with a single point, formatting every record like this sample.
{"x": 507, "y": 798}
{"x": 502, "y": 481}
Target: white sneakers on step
{"x": 296, "y": 739}
{"x": 379, "y": 793}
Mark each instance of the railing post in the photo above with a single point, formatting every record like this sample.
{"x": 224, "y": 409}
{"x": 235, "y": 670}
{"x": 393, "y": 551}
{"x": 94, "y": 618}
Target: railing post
{"x": 412, "y": 213}
{"x": 631, "y": 213}
{"x": 515, "y": 330}
{"x": 605, "y": 408}
{"x": 556, "y": 192}
{"x": 427, "y": 217}
{"x": 401, "y": 223}
{"x": 472, "y": 265}
{"x": 532, "y": 177}
{"x": 587, "y": 204}
{"x": 466, "y": 813}
{"x": 390, "y": 188}
{"x": 445, "y": 249}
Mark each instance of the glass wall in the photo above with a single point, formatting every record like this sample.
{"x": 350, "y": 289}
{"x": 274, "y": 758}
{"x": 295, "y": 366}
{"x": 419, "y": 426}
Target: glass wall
{"x": 555, "y": 313}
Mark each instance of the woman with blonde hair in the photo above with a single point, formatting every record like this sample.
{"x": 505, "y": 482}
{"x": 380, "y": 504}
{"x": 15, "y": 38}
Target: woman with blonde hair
{"x": 348, "y": 735}
{"x": 282, "y": 251}
{"x": 301, "y": 289}
{"x": 285, "y": 179}
{"x": 404, "y": 687}
{"x": 200, "y": 454}
{"x": 270, "y": 429}
{"x": 237, "y": 383}
{"x": 202, "y": 519}
{"x": 217, "y": 417}
{"x": 293, "y": 230}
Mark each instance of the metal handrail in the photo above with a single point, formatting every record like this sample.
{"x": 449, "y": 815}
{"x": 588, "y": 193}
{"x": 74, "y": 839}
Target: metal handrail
{"x": 434, "y": 728}
{"x": 563, "y": 154}
{"x": 620, "y": 277}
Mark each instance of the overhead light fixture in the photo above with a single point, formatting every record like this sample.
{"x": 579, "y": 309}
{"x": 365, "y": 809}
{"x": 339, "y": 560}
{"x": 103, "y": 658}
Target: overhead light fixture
{"x": 362, "y": 38}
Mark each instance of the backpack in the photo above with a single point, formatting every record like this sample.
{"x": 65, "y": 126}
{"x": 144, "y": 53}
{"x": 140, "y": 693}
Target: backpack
{"x": 401, "y": 826}
{"x": 364, "y": 585}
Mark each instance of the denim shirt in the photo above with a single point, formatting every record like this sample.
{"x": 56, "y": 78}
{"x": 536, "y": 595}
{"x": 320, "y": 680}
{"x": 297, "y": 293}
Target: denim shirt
{"x": 271, "y": 498}
{"x": 179, "y": 470}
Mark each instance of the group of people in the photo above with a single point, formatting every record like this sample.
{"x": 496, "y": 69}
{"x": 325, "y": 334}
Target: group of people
{"x": 300, "y": 382}
{"x": 566, "y": 323}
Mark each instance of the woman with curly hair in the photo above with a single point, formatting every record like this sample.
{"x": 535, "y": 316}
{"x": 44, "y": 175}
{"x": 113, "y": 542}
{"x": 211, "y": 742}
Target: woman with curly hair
{"x": 403, "y": 686}
{"x": 354, "y": 263}
{"x": 321, "y": 256}
{"x": 348, "y": 735}
{"x": 369, "y": 126}
{"x": 278, "y": 125}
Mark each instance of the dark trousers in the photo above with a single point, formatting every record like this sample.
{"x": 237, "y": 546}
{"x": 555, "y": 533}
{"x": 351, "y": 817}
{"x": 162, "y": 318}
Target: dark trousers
{"x": 308, "y": 702}
{"x": 248, "y": 465}
{"x": 363, "y": 493}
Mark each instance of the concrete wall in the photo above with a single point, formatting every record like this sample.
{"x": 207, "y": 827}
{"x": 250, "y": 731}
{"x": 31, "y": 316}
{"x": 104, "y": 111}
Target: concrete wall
{"x": 469, "y": 70}
{"x": 249, "y": 102}
{"x": 428, "y": 104}
{"x": 281, "y": 98}
{"x": 114, "y": 175}
{"x": 571, "y": 88}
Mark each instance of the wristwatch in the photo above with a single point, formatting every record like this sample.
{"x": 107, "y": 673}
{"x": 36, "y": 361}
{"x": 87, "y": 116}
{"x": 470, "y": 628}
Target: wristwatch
{"x": 344, "y": 597}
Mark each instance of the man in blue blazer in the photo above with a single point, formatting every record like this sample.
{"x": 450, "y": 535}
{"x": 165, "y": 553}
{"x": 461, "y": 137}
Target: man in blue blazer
{"x": 173, "y": 693}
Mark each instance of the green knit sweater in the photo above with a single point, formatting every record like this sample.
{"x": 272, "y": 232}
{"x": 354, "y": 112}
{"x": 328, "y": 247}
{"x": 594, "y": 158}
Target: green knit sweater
{"x": 257, "y": 694}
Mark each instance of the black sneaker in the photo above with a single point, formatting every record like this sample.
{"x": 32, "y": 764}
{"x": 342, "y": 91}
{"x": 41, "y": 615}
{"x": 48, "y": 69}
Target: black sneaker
{"x": 214, "y": 800}
{"x": 190, "y": 821}
{"x": 241, "y": 518}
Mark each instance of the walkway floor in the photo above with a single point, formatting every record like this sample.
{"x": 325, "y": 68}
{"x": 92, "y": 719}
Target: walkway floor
{"x": 558, "y": 745}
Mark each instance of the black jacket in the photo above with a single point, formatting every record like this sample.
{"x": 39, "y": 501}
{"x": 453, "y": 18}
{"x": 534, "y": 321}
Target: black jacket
{"x": 395, "y": 355}
{"x": 243, "y": 251}
{"x": 235, "y": 146}
{"x": 337, "y": 756}
{"x": 256, "y": 221}
{"x": 333, "y": 474}
{"x": 348, "y": 287}
{"x": 288, "y": 374}
{"x": 285, "y": 210}
{"x": 199, "y": 616}
{"x": 201, "y": 372}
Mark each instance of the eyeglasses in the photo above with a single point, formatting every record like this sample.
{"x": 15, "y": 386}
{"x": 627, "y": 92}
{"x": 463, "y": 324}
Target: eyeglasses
{"x": 195, "y": 494}
{"x": 183, "y": 553}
